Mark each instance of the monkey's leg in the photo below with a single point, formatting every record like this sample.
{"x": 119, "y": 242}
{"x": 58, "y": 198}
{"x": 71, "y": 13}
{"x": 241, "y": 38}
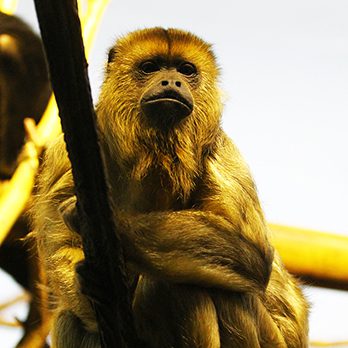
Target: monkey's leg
{"x": 180, "y": 316}
{"x": 286, "y": 305}
{"x": 270, "y": 335}
{"x": 68, "y": 332}
{"x": 236, "y": 320}
{"x": 245, "y": 322}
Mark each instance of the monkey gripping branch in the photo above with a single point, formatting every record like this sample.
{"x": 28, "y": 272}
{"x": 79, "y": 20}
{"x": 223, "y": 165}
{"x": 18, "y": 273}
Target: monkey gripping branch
{"x": 102, "y": 274}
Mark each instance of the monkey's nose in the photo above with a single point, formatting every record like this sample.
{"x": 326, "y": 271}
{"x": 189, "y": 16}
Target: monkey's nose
{"x": 171, "y": 83}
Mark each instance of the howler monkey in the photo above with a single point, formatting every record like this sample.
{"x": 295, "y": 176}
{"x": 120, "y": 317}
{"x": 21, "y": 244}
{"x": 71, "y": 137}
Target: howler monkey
{"x": 191, "y": 225}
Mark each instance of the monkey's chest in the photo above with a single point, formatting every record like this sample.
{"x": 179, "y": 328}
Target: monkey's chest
{"x": 154, "y": 193}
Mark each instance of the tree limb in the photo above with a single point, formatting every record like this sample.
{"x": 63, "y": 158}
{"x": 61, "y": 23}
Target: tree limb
{"x": 102, "y": 273}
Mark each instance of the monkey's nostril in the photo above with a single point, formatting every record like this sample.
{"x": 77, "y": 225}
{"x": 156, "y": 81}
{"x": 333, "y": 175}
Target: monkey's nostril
{"x": 165, "y": 83}
{"x": 177, "y": 83}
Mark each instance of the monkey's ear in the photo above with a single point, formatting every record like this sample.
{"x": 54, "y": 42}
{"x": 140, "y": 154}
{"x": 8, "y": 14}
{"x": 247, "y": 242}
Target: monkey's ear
{"x": 111, "y": 55}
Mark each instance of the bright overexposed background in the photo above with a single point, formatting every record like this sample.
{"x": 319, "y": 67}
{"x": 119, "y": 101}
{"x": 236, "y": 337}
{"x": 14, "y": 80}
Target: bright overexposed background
{"x": 285, "y": 74}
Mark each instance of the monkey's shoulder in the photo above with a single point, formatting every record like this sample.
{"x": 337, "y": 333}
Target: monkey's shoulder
{"x": 225, "y": 162}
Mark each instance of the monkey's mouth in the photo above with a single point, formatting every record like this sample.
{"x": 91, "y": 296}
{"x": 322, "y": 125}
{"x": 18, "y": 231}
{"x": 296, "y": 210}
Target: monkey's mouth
{"x": 166, "y": 107}
{"x": 170, "y": 100}
{"x": 169, "y": 96}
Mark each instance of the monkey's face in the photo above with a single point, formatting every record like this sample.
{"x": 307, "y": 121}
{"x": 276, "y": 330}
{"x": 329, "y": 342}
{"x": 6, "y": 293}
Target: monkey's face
{"x": 167, "y": 97}
{"x": 159, "y": 104}
{"x": 165, "y": 78}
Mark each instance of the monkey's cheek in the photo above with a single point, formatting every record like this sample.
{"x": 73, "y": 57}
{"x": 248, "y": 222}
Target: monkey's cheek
{"x": 164, "y": 113}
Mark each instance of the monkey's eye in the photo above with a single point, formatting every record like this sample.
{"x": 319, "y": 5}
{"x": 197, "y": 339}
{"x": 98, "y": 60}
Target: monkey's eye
{"x": 187, "y": 69}
{"x": 149, "y": 67}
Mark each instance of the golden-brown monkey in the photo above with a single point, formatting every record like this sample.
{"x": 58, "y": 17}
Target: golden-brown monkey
{"x": 191, "y": 225}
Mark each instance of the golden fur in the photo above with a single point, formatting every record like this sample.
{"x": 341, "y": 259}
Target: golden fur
{"x": 191, "y": 225}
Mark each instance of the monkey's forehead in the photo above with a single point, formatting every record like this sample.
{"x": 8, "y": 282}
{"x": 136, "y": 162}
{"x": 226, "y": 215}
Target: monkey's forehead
{"x": 165, "y": 42}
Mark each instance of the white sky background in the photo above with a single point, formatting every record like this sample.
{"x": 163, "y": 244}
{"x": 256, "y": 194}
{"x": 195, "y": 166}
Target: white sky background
{"x": 285, "y": 73}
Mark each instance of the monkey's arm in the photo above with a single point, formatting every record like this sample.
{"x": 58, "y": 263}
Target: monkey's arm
{"x": 59, "y": 247}
{"x": 197, "y": 247}
{"x": 221, "y": 242}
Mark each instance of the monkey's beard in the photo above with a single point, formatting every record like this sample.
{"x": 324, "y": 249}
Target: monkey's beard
{"x": 176, "y": 158}
{"x": 139, "y": 149}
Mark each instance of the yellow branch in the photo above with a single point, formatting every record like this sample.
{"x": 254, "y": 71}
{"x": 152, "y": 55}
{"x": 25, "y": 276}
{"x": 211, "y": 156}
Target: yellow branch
{"x": 23, "y": 297}
{"x": 17, "y": 192}
{"x": 91, "y": 21}
{"x": 311, "y": 253}
{"x": 8, "y": 6}
{"x": 341, "y": 344}
{"x": 7, "y": 323}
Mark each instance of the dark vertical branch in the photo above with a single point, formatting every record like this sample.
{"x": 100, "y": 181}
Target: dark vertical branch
{"x": 102, "y": 273}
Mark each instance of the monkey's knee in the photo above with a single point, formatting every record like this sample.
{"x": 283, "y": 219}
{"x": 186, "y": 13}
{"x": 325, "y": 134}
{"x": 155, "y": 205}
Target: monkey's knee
{"x": 270, "y": 334}
{"x": 201, "y": 327}
{"x": 179, "y": 316}
{"x": 238, "y": 322}
{"x": 68, "y": 332}
{"x": 245, "y": 322}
